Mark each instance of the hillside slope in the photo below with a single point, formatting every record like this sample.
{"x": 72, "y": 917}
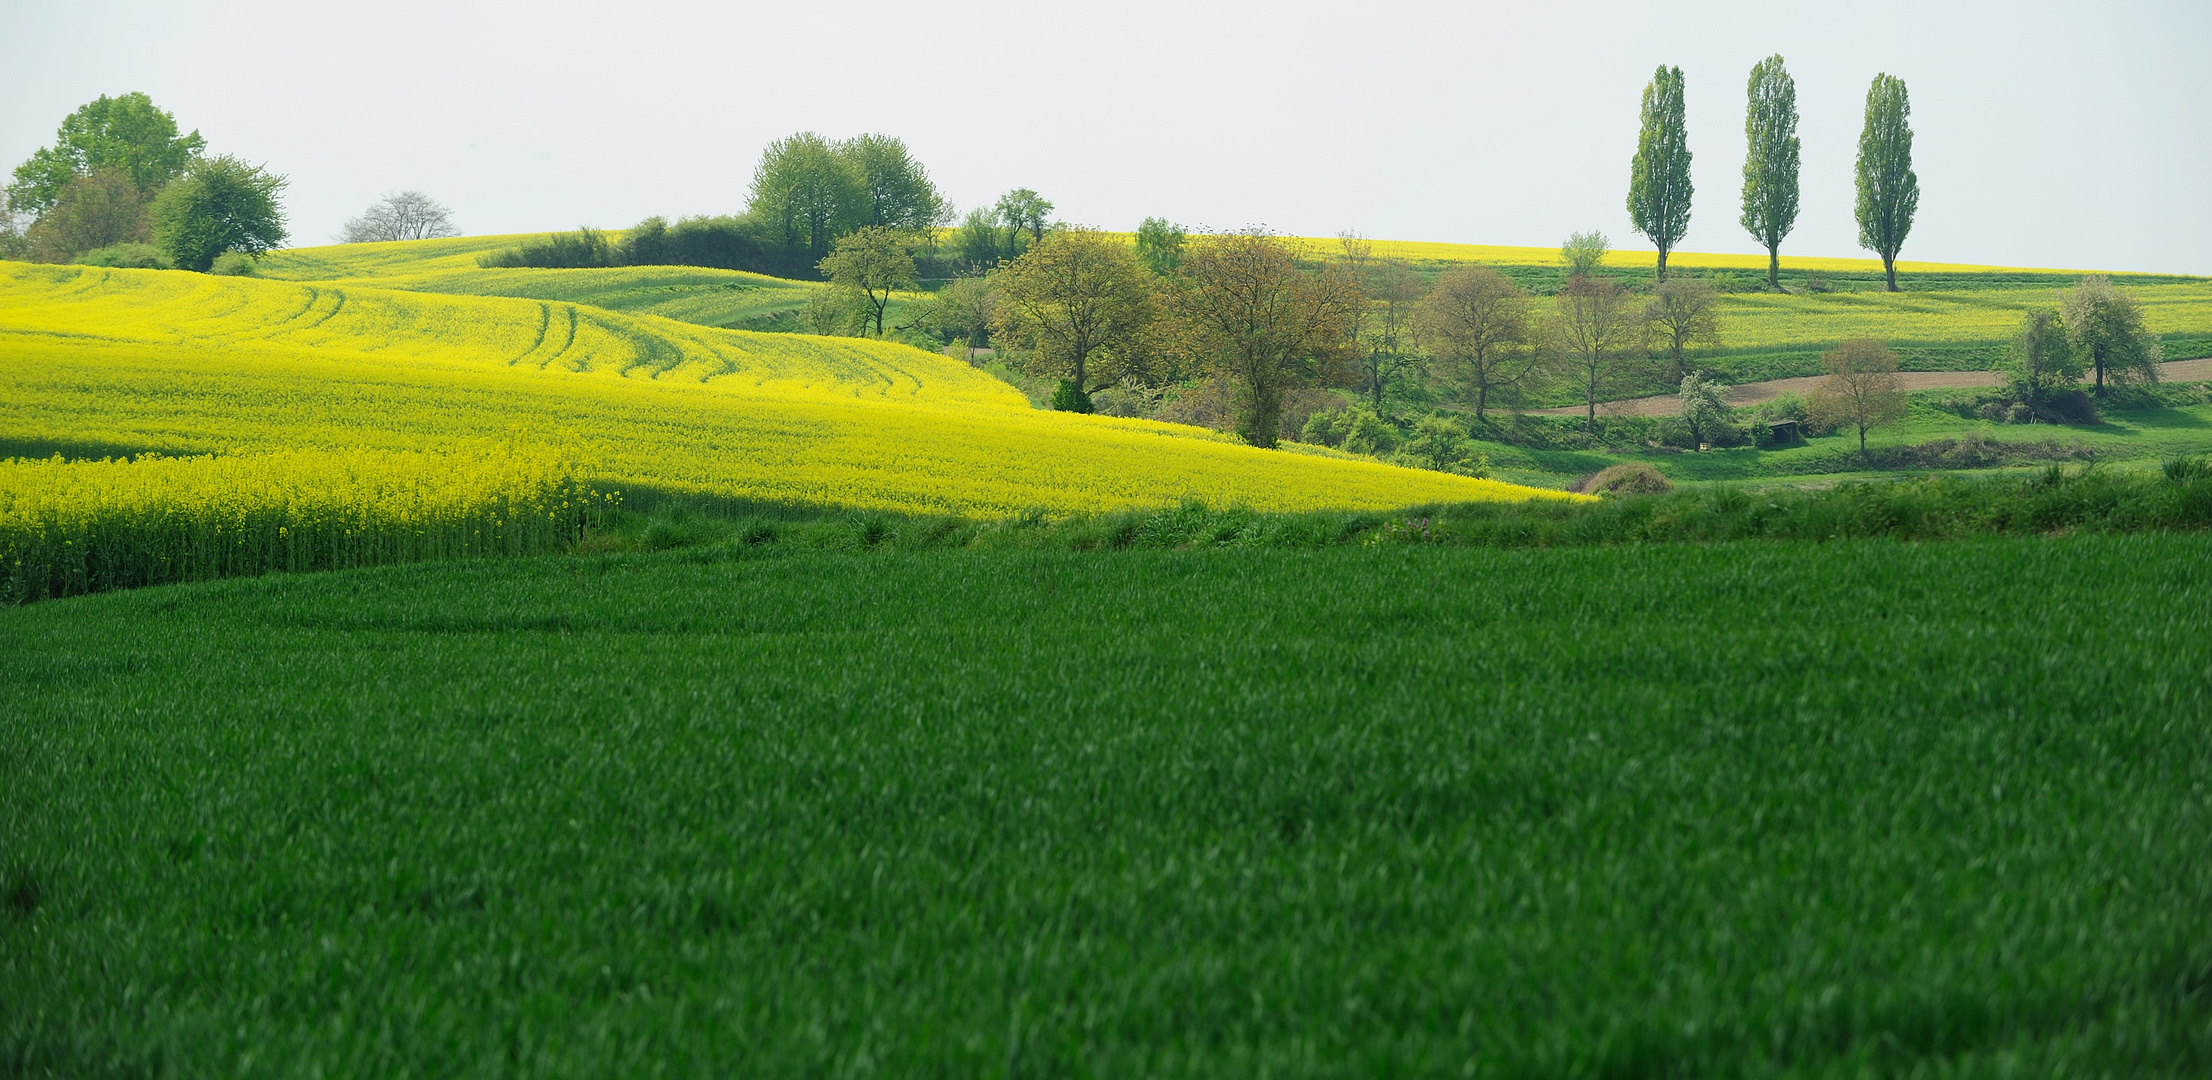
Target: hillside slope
{"x": 1949, "y": 318}
{"x": 97, "y": 361}
{"x": 694, "y": 294}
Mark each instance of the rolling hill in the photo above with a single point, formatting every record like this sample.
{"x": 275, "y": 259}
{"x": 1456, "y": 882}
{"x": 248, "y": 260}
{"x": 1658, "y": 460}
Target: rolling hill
{"x": 124, "y": 361}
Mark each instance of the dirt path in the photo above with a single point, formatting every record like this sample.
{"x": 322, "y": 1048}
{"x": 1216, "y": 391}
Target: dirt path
{"x": 1756, "y": 392}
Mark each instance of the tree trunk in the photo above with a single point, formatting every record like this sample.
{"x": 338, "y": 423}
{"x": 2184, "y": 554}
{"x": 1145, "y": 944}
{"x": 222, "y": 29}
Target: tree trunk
{"x": 1774, "y": 267}
{"x": 1889, "y": 269}
{"x": 1590, "y": 395}
{"x": 2097, "y": 358}
{"x": 1862, "y": 441}
{"x": 1482, "y": 396}
{"x": 1662, "y": 262}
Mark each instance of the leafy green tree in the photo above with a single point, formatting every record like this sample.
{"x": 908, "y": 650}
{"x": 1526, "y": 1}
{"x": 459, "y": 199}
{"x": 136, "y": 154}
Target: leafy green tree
{"x": 127, "y": 134}
{"x": 832, "y": 312}
{"x": 808, "y": 193}
{"x": 1770, "y": 160}
{"x": 1704, "y": 406}
{"x": 976, "y": 241}
{"x": 1243, "y": 308}
{"x": 221, "y": 204}
{"x": 869, "y": 264}
{"x": 961, "y": 312}
{"x": 1889, "y": 191}
{"x": 1583, "y": 252}
{"x": 1659, "y": 176}
{"x": 1023, "y": 211}
{"x": 1861, "y": 389}
{"x": 1441, "y": 445}
{"x": 897, "y": 190}
{"x": 1683, "y": 313}
{"x": 2106, "y": 325}
{"x": 95, "y": 210}
{"x": 12, "y": 241}
{"x": 2040, "y": 363}
{"x": 1160, "y": 245}
{"x": 1081, "y": 303}
{"x": 1476, "y": 321}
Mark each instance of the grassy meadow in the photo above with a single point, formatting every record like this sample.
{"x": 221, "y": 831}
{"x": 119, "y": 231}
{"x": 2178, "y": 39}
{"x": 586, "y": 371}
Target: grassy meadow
{"x": 1864, "y": 808}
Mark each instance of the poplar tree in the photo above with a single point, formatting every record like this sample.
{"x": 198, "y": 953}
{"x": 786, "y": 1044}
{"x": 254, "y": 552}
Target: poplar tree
{"x": 1889, "y": 192}
{"x": 1770, "y": 160}
{"x": 1659, "y": 176}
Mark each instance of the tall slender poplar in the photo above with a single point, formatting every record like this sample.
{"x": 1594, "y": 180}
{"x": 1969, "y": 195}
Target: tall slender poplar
{"x": 1770, "y": 160}
{"x": 1659, "y": 177}
{"x": 1889, "y": 191}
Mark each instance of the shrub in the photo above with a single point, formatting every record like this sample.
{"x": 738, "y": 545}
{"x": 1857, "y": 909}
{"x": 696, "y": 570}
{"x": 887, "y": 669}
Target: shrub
{"x": 1354, "y": 430}
{"x": 128, "y": 257}
{"x": 1627, "y": 478}
{"x": 1069, "y": 397}
{"x": 726, "y": 243}
{"x": 586, "y": 247}
{"x": 1440, "y": 445}
{"x": 232, "y": 264}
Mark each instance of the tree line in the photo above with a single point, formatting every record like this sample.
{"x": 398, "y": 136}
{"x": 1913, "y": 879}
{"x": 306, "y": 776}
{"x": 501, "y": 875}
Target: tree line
{"x": 808, "y": 192}
{"x": 120, "y": 186}
{"x": 1888, "y": 191}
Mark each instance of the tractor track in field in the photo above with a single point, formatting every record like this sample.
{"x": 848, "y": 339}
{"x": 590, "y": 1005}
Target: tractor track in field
{"x": 1752, "y": 393}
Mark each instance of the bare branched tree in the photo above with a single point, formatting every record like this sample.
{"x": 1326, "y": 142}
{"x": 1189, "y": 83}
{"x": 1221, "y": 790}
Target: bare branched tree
{"x": 1477, "y": 323}
{"x": 1862, "y": 389}
{"x": 405, "y": 215}
{"x": 1683, "y": 314}
{"x": 1593, "y": 328}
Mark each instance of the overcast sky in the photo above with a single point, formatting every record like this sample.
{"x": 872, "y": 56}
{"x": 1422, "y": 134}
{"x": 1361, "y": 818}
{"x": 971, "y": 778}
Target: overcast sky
{"x": 2047, "y": 135}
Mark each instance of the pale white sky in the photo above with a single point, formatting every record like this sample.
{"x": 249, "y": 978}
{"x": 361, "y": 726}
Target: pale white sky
{"x": 2064, "y": 135}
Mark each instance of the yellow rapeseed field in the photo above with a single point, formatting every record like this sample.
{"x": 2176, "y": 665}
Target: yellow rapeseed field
{"x": 71, "y": 527}
{"x": 695, "y": 294}
{"x": 188, "y": 364}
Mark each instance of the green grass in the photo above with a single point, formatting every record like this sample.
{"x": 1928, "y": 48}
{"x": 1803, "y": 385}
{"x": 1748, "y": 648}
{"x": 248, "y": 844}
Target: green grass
{"x": 1845, "y": 809}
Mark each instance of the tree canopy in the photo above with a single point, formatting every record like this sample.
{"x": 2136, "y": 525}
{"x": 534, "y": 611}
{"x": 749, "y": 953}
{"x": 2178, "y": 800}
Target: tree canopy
{"x": 127, "y": 134}
{"x": 869, "y": 264}
{"x": 1659, "y": 175}
{"x": 807, "y": 194}
{"x": 1022, "y": 210}
{"x": 95, "y": 210}
{"x": 1081, "y": 303}
{"x": 1888, "y": 189}
{"x": 1770, "y": 160}
{"x": 2106, "y": 326}
{"x": 1160, "y": 245}
{"x": 1583, "y": 252}
{"x": 809, "y": 190}
{"x": 220, "y": 205}
{"x": 898, "y": 191}
{"x": 1247, "y": 311}
{"x": 1476, "y": 321}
